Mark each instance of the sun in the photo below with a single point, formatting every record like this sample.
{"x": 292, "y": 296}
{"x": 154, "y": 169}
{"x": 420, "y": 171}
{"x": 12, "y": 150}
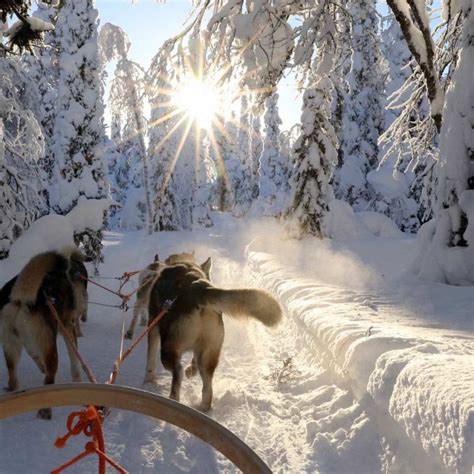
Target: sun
{"x": 199, "y": 100}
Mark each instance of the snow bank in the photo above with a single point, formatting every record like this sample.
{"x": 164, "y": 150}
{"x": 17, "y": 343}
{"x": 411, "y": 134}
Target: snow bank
{"x": 425, "y": 387}
{"x": 437, "y": 259}
{"x": 342, "y": 223}
{"x": 379, "y": 224}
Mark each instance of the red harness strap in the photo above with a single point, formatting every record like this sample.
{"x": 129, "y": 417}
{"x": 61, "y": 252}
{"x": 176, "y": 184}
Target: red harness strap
{"x": 125, "y": 297}
{"x": 118, "y": 362}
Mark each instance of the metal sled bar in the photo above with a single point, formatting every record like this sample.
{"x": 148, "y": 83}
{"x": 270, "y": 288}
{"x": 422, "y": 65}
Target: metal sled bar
{"x": 138, "y": 401}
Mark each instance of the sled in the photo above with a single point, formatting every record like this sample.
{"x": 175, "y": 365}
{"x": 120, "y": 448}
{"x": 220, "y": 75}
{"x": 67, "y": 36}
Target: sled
{"x": 137, "y": 401}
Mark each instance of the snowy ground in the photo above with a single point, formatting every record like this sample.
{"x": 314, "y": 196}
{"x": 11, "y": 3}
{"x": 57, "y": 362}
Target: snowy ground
{"x": 371, "y": 369}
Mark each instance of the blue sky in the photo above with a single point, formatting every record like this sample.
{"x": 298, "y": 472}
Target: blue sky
{"x": 149, "y": 23}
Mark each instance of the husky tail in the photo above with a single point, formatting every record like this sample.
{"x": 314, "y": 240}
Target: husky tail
{"x": 243, "y": 302}
{"x": 29, "y": 281}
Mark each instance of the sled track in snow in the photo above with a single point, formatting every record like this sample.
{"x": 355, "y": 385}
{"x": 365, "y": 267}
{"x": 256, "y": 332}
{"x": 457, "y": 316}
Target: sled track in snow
{"x": 296, "y": 299}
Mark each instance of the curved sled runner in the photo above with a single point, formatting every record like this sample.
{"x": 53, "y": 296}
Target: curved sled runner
{"x": 138, "y": 401}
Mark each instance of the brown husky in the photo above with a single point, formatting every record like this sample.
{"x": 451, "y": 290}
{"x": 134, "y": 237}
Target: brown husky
{"x": 194, "y": 321}
{"x": 25, "y": 319}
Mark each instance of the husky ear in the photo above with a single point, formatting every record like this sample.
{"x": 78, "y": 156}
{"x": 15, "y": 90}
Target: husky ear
{"x": 192, "y": 253}
{"x": 156, "y": 259}
{"x": 206, "y": 267}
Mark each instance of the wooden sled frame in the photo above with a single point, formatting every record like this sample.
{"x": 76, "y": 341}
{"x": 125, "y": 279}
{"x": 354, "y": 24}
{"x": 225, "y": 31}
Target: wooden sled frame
{"x": 138, "y": 401}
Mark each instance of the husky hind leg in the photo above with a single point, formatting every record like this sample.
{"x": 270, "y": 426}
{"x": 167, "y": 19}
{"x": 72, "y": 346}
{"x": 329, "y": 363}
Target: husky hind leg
{"x": 172, "y": 361}
{"x": 152, "y": 355}
{"x": 12, "y": 353}
{"x": 140, "y": 310}
{"x": 50, "y": 360}
{"x": 207, "y": 362}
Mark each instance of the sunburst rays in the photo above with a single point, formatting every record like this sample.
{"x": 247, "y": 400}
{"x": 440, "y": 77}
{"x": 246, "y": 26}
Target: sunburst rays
{"x": 197, "y": 99}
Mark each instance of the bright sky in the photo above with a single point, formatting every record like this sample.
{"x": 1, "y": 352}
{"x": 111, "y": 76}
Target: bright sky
{"x": 149, "y": 23}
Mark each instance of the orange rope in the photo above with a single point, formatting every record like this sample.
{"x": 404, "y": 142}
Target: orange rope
{"x": 89, "y": 423}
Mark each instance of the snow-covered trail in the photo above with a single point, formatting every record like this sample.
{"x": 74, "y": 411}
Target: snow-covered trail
{"x": 268, "y": 390}
{"x": 276, "y": 389}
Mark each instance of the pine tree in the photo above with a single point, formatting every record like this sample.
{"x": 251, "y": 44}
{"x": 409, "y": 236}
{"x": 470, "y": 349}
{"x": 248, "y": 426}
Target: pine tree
{"x": 43, "y": 68}
{"x": 162, "y": 147}
{"x": 78, "y": 129}
{"x": 273, "y": 171}
{"x": 316, "y": 157}
{"x": 202, "y": 185}
{"x": 23, "y": 187}
{"x": 243, "y": 183}
{"x": 362, "y": 112}
{"x": 227, "y": 164}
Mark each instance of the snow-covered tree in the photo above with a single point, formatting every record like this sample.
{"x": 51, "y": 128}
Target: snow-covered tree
{"x": 362, "y": 121}
{"x": 448, "y": 240}
{"x": 202, "y": 187}
{"x": 128, "y": 128}
{"x": 409, "y": 143}
{"x": 274, "y": 166}
{"x": 163, "y": 144}
{"x": 315, "y": 150}
{"x": 256, "y": 147}
{"x": 78, "y": 129}
{"x": 243, "y": 186}
{"x": 414, "y": 22}
{"x": 23, "y": 196}
{"x": 224, "y": 148}
{"x": 43, "y": 68}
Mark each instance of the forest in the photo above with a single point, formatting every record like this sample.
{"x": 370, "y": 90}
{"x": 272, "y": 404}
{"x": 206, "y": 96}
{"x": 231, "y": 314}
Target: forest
{"x": 386, "y": 120}
{"x": 355, "y": 222}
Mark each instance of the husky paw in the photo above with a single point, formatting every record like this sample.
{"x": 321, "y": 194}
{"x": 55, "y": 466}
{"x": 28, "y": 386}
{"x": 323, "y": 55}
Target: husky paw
{"x": 204, "y": 407}
{"x": 84, "y": 318}
{"x": 45, "y": 414}
{"x": 151, "y": 379}
{"x": 128, "y": 334}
